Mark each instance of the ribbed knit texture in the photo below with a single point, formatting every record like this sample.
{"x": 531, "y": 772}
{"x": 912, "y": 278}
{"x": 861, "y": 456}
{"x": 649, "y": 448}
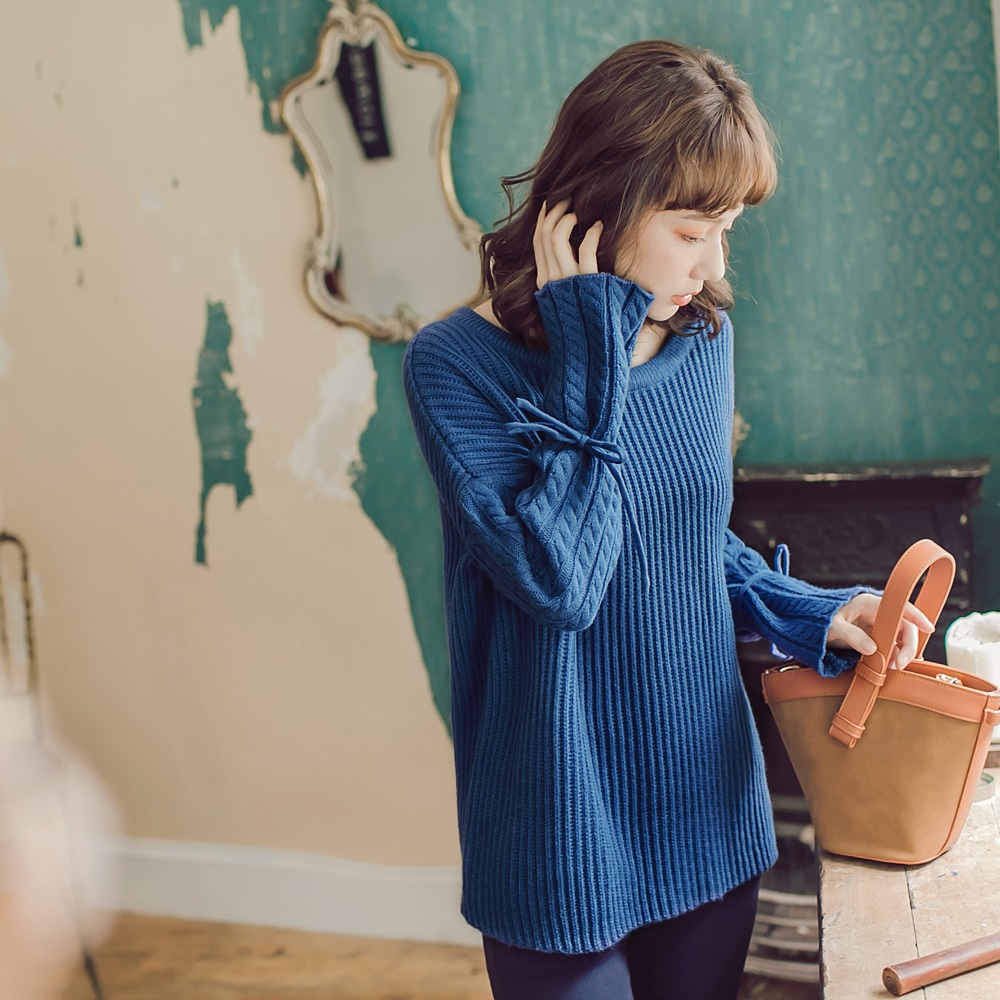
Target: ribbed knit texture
{"x": 608, "y": 770}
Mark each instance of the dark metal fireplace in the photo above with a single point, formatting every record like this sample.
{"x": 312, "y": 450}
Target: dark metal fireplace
{"x": 843, "y": 525}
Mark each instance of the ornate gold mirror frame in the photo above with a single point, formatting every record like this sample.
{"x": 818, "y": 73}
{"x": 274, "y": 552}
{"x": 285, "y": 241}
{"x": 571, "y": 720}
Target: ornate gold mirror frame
{"x": 373, "y": 119}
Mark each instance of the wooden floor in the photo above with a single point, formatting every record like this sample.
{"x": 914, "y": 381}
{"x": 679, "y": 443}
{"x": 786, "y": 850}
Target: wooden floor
{"x": 158, "y": 958}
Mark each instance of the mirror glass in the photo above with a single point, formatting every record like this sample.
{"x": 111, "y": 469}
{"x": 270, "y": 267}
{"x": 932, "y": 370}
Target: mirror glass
{"x": 373, "y": 120}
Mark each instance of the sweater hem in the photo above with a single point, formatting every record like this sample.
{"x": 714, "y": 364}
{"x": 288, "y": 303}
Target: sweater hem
{"x": 664, "y": 914}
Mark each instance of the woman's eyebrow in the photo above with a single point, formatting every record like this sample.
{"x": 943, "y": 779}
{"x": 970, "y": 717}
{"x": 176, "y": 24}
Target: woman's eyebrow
{"x": 702, "y": 217}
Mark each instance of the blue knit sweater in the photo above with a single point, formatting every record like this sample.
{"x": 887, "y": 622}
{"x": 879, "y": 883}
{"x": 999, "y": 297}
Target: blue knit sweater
{"x": 608, "y": 769}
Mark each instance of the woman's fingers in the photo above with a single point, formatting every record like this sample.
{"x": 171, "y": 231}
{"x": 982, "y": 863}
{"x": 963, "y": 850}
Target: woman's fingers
{"x": 554, "y": 256}
{"x": 903, "y": 652}
{"x": 846, "y": 630}
{"x": 910, "y": 642}
{"x": 538, "y": 244}
{"x": 908, "y": 638}
{"x": 842, "y": 628}
{"x": 913, "y": 614}
{"x": 546, "y": 260}
{"x": 588, "y": 249}
{"x": 561, "y": 250}
{"x": 547, "y": 237}
{"x": 906, "y": 646}
{"x": 857, "y": 638}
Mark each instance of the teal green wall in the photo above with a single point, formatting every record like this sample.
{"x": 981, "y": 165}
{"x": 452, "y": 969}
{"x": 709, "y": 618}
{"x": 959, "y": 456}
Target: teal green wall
{"x": 220, "y": 422}
{"x": 868, "y": 318}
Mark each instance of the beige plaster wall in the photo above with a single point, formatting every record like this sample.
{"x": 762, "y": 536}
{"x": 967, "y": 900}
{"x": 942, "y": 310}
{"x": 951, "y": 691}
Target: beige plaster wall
{"x": 276, "y": 697}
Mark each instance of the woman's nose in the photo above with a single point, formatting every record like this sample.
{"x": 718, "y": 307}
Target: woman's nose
{"x": 711, "y": 264}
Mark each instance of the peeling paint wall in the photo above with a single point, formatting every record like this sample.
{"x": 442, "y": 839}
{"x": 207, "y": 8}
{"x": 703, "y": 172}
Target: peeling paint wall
{"x": 153, "y": 232}
{"x": 328, "y": 448}
{"x": 220, "y": 420}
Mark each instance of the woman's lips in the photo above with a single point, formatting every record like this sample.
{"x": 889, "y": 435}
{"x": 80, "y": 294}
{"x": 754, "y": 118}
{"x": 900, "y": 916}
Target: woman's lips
{"x": 681, "y": 300}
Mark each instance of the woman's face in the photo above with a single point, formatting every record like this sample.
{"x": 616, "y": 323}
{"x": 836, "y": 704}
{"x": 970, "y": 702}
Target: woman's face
{"x": 672, "y": 256}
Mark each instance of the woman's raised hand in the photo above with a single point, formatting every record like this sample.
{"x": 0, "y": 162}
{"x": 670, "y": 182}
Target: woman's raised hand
{"x": 554, "y": 257}
{"x": 852, "y": 625}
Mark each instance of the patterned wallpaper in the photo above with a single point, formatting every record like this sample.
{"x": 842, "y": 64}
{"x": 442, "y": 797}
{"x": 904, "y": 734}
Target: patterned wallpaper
{"x": 869, "y": 310}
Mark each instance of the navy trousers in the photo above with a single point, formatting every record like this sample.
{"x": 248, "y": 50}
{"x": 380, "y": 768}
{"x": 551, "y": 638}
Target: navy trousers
{"x": 696, "y": 956}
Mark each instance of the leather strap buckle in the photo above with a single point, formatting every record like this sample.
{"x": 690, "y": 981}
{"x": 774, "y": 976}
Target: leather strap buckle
{"x": 874, "y": 677}
{"x": 846, "y": 731}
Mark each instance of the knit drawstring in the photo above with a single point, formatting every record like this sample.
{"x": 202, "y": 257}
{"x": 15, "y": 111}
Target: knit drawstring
{"x": 781, "y": 559}
{"x": 781, "y": 564}
{"x": 609, "y": 451}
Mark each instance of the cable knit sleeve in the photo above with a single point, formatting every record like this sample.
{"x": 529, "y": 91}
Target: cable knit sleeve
{"x": 793, "y": 615}
{"x": 533, "y": 485}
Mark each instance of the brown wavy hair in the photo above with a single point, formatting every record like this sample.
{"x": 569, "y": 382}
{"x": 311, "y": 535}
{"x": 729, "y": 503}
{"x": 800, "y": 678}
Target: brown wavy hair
{"x": 656, "y": 126}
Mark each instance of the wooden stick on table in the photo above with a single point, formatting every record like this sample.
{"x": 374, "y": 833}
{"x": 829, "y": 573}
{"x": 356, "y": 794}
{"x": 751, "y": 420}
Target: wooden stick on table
{"x": 928, "y": 969}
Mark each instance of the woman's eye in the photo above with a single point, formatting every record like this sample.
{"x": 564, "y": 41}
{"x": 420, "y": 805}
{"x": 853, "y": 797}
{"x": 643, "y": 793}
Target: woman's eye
{"x": 692, "y": 239}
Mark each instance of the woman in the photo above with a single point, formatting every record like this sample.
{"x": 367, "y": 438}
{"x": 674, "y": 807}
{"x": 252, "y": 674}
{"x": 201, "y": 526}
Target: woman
{"x": 613, "y": 812}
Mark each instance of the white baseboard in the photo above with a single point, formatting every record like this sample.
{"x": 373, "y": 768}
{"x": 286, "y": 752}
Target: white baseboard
{"x": 287, "y": 889}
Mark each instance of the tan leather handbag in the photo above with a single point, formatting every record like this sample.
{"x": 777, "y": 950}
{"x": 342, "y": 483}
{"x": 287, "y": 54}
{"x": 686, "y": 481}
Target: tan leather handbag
{"x": 889, "y": 760}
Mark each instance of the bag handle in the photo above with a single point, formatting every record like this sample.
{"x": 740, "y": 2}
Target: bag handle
{"x": 921, "y": 557}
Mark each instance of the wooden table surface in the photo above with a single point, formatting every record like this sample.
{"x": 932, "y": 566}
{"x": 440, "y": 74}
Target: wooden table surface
{"x": 873, "y": 915}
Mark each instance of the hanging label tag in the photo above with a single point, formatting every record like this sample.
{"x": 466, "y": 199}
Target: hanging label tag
{"x": 357, "y": 76}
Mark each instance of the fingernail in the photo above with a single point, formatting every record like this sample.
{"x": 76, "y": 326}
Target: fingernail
{"x": 869, "y": 648}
